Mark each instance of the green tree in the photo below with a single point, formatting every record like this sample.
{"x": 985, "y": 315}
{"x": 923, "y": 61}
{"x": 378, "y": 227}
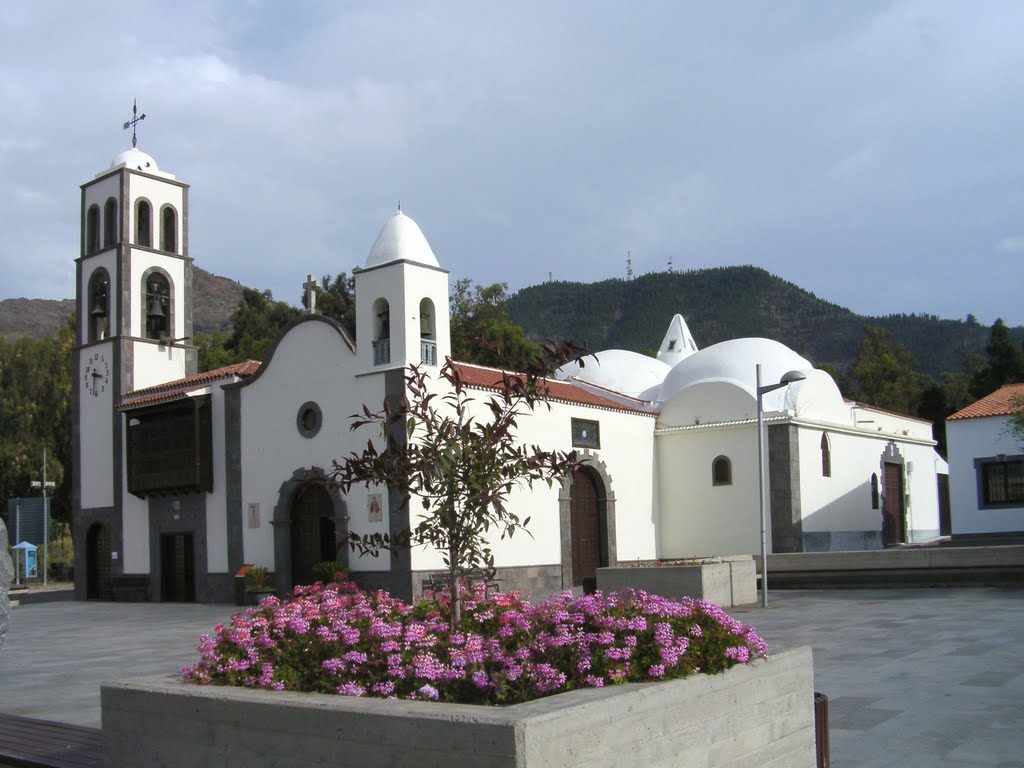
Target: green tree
{"x": 1017, "y": 418}
{"x": 886, "y": 376}
{"x": 482, "y": 331}
{"x": 35, "y": 413}
{"x": 254, "y": 325}
{"x": 459, "y": 459}
{"x": 1005, "y": 363}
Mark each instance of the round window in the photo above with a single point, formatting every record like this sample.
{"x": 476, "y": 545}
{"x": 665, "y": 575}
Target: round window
{"x": 309, "y": 419}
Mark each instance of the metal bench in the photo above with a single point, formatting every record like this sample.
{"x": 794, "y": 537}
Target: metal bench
{"x": 30, "y": 743}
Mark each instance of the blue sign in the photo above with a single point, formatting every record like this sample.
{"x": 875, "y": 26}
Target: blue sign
{"x": 30, "y": 564}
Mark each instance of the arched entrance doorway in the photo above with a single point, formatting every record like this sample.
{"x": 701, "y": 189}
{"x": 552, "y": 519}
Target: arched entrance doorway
{"x": 584, "y": 526}
{"x": 312, "y": 532}
{"x": 97, "y": 563}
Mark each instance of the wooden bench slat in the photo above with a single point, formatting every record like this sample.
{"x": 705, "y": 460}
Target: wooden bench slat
{"x": 32, "y": 743}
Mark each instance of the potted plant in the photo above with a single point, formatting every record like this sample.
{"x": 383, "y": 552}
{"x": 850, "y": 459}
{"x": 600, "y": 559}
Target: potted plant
{"x": 259, "y": 585}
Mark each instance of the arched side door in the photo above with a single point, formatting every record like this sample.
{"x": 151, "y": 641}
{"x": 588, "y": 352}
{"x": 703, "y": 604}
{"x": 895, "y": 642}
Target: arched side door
{"x": 585, "y": 527}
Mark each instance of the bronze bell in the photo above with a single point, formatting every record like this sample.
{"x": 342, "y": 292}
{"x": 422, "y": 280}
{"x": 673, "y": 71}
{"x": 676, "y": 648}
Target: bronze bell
{"x": 155, "y": 308}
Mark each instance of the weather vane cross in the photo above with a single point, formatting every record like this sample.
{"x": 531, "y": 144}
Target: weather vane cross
{"x": 136, "y": 119}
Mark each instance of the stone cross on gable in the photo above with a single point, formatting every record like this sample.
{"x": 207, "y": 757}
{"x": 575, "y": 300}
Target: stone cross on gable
{"x": 311, "y": 285}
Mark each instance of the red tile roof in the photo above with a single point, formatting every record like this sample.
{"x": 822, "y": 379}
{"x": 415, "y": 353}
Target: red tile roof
{"x": 172, "y": 390}
{"x": 559, "y": 391}
{"x": 1002, "y": 402}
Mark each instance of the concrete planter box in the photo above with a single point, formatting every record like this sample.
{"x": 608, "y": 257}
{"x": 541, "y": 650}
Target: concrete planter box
{"x": 728, "y": 581}
{"x": 760, "y": 714}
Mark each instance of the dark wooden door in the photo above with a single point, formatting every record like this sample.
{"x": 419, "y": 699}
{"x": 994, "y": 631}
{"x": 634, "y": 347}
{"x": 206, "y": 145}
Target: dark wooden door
{"x": 177, "y": 568}
{"x": 97, "y": 563}
{"x": 312, "y": 533}
{"x": 893, "y": 520}
{"x": 585, "y": 525}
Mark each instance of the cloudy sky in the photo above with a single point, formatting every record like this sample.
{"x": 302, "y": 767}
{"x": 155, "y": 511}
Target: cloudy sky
{"x": 870, "y": 152}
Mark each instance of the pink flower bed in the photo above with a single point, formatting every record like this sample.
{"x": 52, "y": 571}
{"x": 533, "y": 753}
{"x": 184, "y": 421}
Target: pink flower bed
{"x": 334, "y": 638}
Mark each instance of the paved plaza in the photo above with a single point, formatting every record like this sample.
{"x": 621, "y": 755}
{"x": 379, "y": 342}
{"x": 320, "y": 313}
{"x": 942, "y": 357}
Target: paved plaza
{"x": 915, "y": 677}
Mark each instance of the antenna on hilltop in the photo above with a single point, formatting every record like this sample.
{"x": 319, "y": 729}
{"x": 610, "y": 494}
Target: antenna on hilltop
{"x": 670, "y": 270}
{"x": 629, "y": 265}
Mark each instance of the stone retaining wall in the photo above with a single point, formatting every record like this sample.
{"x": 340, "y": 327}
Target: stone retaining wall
{"x": 758, "y": 714}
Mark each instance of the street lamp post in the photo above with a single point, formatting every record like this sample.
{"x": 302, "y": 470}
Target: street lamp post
{"x": 785, "y": 381}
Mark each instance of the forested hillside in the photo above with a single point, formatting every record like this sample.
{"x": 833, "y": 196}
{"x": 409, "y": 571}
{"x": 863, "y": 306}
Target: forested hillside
{"x": 732, "y": 302}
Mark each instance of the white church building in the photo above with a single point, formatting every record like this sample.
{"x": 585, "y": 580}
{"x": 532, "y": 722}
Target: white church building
{"x": 181, "y": 477}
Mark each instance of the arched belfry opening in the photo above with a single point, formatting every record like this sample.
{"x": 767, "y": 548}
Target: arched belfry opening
{"x": 381, "y": 332}
{"x": 144, "y": 224}
{"x": 98, "y": 307}
{"x": 92, "y": 229}
{"x": 428, "y": 333}
{"x": 587, "y": 521}
{"x": 110, "y": 223}
{"x": 169, "y": 229}
{"x": 157, "y": 306}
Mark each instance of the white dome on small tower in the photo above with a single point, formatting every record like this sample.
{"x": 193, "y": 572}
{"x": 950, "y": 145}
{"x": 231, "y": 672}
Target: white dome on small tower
{"x": 135, "y": 159}
{"x": 401, "y": 240}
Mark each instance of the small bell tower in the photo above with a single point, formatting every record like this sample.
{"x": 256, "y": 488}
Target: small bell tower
{"x": 401, "y": 301}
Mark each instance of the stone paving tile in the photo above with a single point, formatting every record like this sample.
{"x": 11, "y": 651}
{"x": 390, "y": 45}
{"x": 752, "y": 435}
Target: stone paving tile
{"x": 915, "y": 678}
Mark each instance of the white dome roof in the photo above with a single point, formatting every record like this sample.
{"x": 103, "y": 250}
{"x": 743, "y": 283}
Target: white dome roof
{"x": 134, "y": 158}
{"x": 734, "y": 362}
{"x": 401, "y": 238}
{"x": 619, "y": 370}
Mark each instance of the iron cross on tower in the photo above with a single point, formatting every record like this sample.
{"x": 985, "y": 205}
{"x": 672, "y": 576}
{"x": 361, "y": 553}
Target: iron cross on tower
{"x": 136, "y": 119}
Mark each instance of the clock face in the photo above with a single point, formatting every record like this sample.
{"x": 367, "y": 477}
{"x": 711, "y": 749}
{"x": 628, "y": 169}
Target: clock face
{"x": 97, "y": 374}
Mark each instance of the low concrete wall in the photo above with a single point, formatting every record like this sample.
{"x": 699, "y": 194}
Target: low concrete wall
{"x": 758, "y": 714}
{"x": 728, "y": 582}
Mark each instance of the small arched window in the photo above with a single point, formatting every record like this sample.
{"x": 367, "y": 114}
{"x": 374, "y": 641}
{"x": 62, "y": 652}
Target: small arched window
{"x": 110, "y": 223}
{"x": 721, "y": 471}
{"x": 874, "y": 491}
{"x": 144, "y": 224}
{"x": 826, "y": 456}
{"x": 428, "y": 334}
{"x": 381, "y": 332}
{"x": 158, "y": 305}
{"x": 169, "y": 230}
{"x": 92, "y": 229}
{"x": 98, "y": 320}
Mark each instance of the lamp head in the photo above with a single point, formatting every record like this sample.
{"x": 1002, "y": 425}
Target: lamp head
{"x": 792, "y": 376}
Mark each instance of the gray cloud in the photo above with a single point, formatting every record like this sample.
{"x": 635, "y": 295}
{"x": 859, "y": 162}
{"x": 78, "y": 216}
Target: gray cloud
{"x": 866, "y": 152}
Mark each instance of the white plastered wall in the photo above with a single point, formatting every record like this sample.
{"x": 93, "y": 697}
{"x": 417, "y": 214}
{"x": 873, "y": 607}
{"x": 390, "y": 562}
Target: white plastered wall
{"x": 95, "y": 416}
{"x": 971, "y": 439}
{"x": 134, "y": 518}
{"x": 627, "y": 448}
{"x": 216, "y": 500}
{"x": 311, "y": 363}
{"x": 159, "y": 194}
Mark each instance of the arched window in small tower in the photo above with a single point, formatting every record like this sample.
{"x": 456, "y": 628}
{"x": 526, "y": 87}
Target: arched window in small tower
{"x": 98, "y": 306}
{"x": 381, "y": 332}
{"x": 721, "y": 471}
{"x": 144, "y": 224}
{"x": 92, "y": 229}
{"x": 428, "y": 333}
{"x": 169, "y": 230}
{"x": 826, "y": 456}
{"x": 110, "y": 223}
{"x": 157, "y": 306}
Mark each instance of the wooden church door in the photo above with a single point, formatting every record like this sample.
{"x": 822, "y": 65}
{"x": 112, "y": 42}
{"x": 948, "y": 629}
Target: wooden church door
{"x": 585, "y": 527}
{"x": 97, "y": 563}
{"x": 893, "y": 519}
{"x": 312, "y": 533}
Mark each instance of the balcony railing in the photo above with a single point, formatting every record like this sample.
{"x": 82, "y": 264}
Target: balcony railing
{"x": 382, "y": 352}
{"x": 428, "y": 352}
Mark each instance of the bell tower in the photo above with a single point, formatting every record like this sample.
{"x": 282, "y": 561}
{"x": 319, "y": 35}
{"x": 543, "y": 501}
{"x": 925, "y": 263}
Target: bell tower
{"x": 134, "y": 314}
{"x": 401, "y": 301}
